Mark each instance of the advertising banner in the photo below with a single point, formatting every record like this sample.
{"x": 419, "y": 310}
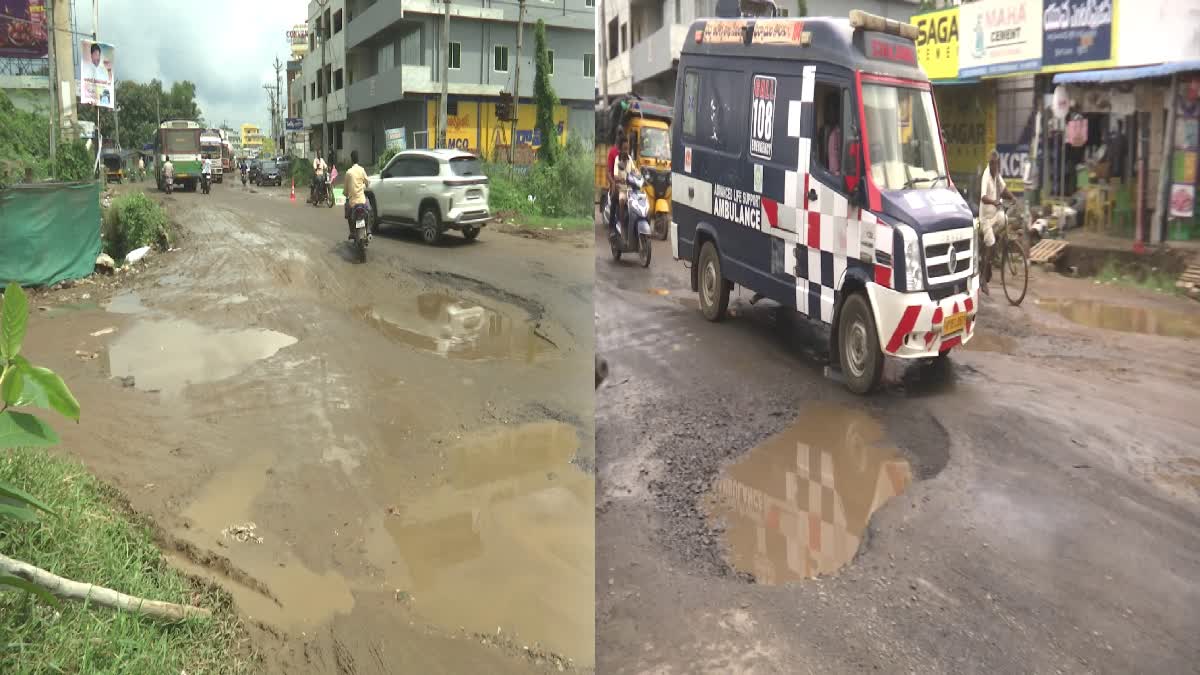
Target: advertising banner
{"x": 294, "y": 124}
{"x": 1077, "y": 34}
{"x": 395, "y": 138}
{"x": 937, "y": 43}
{"x": 23, "y": 29}
{"x": 999, "y": 36}
{"x": 97, "y": 81}
{"x": 968, "y": 117}
{"x": 1186, "y": 145}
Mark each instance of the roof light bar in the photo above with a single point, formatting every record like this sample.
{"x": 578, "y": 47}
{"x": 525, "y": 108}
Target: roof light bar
{"x": 867, "y": 21}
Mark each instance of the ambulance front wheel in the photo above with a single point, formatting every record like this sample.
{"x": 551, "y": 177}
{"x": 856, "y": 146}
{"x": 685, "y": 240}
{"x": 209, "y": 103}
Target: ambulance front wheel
{"x": 858, "y": 345}
{"x": 714, "y": 289}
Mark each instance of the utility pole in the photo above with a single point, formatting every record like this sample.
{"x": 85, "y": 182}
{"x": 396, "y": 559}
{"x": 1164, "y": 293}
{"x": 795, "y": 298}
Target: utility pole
{"x": 516, "y": 113}
{"x": 278, "y": 106}
{"x": 602, "y": 67}
{"x": 321, "y": 77}
{"x": 96, "y": 37}
{"x": 52, "y": 75}
{"x": 273, "y": 110}
{"x": 441, "y": 137}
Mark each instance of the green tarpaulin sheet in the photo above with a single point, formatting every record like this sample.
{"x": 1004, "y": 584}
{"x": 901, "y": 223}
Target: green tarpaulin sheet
{"x": 49, "y": 232}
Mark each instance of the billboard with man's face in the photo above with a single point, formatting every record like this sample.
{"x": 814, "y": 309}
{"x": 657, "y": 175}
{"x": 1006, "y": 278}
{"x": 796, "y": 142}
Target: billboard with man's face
{"x": 97, "y": 81}
{"x": 23, "y": 29}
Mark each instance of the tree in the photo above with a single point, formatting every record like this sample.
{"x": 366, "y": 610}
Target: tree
{"x": 268, "y": 147}
{"x": 141, "y": 105}
{"x": 544, "y": 97}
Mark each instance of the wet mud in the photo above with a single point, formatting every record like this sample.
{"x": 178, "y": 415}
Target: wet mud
{"x": 797, "y": 506}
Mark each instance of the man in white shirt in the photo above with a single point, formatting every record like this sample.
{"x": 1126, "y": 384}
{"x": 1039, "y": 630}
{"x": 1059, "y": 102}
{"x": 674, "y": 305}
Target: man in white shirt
{"x": 319, "y": 169}
{"x": 94, "y": 70}
{"x": 991, "y": 216}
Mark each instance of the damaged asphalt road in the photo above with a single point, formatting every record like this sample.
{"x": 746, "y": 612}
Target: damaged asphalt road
{"x": 1032, "y": 509}
{"x": 388, "y": 465}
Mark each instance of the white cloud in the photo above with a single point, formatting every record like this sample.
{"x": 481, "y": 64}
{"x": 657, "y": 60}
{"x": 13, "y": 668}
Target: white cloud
{"x": 225, "y": 47}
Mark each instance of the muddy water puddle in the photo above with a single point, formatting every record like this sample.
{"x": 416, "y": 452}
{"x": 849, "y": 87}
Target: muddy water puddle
{"x": 127, "y": 302}
{"x": 1146, "y": 320}
{"x": 991, "y": 342}
{"x": 169, "y": 355}
{"x": 459, "y": 329}
{"x": 797, "y": 506}
{"x": 506, "y": 542}
{"x": 281, "y": 589}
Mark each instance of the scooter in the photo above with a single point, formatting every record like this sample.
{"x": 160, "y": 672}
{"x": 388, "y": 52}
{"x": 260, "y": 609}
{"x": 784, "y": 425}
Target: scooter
{"x": 243, "y": 178}
{"x": 205, "y": 183}
{"x": 358, "y": 215}
{"x": 632, "y": 236}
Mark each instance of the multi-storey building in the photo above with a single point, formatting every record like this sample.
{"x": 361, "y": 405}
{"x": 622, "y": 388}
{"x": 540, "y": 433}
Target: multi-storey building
{"x": 384, "y": 61}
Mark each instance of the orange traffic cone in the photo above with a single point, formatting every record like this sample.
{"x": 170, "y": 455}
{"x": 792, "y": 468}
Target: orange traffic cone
{"x": 293, "y": 189}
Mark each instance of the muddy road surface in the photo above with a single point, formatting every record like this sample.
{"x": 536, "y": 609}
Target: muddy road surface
{"x": 1033, "y": 508}
{"x": 389, "y": 465}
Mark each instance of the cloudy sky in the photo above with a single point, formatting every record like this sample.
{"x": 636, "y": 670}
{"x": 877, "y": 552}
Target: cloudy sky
{"x": 225, "y": 46}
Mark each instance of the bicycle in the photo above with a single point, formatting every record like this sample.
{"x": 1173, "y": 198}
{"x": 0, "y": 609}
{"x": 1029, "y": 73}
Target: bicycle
{"x": 1009, "y": 254}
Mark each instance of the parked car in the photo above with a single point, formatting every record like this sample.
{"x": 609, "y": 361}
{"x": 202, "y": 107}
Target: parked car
{"x": 268, "y": 174}
{"x": 432, "y": 191}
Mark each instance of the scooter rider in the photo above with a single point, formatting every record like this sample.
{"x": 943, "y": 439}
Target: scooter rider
{"x": 356, "y": 189}
{"x": 620, "y": 176}
{"x": 206, "y": 171}
{"x": 614, "y": 153}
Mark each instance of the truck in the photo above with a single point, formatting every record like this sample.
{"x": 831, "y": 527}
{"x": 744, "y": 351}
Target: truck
{"x": 212, "y": 148}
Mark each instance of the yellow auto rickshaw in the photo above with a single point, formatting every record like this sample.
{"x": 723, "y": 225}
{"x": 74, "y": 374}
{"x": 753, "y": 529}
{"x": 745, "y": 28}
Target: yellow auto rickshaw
{"x": 114, "y": 167}
{"x": 648, "y": 127}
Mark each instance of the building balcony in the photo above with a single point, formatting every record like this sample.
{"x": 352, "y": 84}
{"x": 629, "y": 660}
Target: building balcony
{"x": 658, "y": 53}
{"x": 393, "y": 85}
{"x": 620, "y": 81}
{"x": 381, "y": 16}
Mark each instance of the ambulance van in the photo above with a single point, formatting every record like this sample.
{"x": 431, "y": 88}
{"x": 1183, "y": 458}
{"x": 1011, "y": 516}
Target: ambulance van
{"x": 808, "y": 167}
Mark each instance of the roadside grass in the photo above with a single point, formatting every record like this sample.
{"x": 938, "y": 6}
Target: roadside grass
{"x": 1155, "y": 280}
{"x": 96, "y": 541}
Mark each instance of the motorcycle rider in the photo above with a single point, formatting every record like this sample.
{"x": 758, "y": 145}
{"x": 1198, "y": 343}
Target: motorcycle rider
{"x": 319, "y": 168}
{"x": 356, "y": 189}
{"x": 206, "y": 171}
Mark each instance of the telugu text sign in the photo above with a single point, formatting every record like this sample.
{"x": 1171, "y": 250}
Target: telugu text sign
{"x": 937, "y": 43}
{"x": 999, "y": 36}
{"x": 1077, "y": 34}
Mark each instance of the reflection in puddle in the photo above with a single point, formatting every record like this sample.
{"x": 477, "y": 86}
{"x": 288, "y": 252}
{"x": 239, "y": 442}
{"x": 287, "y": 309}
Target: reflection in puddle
{"x": 127, "y": 302}
{"x": 796, "y": 506}
{"x": 305, "y": 598}
{"x": 1127, "y": 319}
{"x": 169, "y": 355}
{"x": 507, "y": 542}
{"x": 457, "y": 329}
{"x": 991, "y": 342}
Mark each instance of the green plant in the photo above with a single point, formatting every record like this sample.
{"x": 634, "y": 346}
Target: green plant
{"x": 74, "y": 162}
{"x": 559, "y": 190}
{"x": 24, "y": 384}
{"x": 133, "y": 221}
{"x": 384, "y": 158}
{"x": 545, "y": 98}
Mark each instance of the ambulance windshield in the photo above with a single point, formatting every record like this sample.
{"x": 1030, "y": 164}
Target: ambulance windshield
{"x": 902, "y": 136}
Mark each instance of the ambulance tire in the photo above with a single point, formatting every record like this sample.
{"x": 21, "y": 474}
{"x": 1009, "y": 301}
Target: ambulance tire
{"x": 714, "y": 289}
{"x": 858, "y": 345}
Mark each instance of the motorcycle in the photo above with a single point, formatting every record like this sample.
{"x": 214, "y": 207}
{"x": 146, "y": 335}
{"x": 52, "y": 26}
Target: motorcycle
{"x": 632, "y": 236}
{"x": 321, "y": 192}
{"x": 205, "y": 183}
{"x": 243, "y": 178}
{"x": 358, "y": 216}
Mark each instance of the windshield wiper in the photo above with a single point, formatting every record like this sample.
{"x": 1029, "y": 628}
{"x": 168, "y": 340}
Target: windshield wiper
{"x": 932, "y": 179}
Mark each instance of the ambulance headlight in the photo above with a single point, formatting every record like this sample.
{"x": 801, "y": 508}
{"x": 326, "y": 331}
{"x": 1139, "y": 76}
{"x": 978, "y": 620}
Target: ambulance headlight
{"x": 912, "y": 265}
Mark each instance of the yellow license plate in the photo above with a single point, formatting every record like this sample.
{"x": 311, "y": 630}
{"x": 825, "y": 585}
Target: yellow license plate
{"x": 954, "y": 323}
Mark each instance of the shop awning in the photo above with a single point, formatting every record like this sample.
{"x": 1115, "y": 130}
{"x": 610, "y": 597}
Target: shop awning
{"x": 1127, "y": 74}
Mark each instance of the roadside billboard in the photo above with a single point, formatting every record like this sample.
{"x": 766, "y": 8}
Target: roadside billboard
{"x": 937, "y": 43}
{"x": 999, "y": 37}
{"x": 23, "y": 32}
{"x": 1077, "y": 34}
{"x": 294, "y": 124}
{"x": 97, "y": 81}
{"x": 395, "y": 138}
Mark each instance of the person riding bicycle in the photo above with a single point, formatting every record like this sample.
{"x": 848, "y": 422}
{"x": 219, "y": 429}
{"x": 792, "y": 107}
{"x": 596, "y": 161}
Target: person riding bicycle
{"x": 356, "y": 189}
{"x": 991, "y": 214}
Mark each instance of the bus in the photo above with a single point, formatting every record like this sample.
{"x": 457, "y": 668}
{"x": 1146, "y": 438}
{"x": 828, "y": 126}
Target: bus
{"x": 179, "y": 141}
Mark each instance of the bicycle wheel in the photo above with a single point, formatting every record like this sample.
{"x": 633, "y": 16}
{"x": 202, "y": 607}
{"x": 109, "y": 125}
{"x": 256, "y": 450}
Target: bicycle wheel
{"x": 1014, "y": 271}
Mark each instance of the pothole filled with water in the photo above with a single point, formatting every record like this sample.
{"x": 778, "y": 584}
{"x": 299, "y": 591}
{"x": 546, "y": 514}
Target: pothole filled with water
{"x": 797, "y": 506}
{"x": 1146, "y": 320}
{"x": 459, "y": 329}
{"x": 167, "y": 356}
{"x": 507, "y": 541}
{"x": 127, "y": 302}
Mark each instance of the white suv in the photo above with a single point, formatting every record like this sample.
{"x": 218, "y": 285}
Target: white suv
{"x": 432, "y": 190}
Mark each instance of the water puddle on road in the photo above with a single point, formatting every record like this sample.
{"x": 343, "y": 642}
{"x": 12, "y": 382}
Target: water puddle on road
{"x": 507, "y": 542}
{"x": 991, "y": 342}
{"x": 1145, "y": 320}
{"x": 796, "y": 506}
{"x": 127, "y": 302}
{"x": 301, "y": 597}
{"x": 459, "y": 329}
{"x": 169, "y": 355}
